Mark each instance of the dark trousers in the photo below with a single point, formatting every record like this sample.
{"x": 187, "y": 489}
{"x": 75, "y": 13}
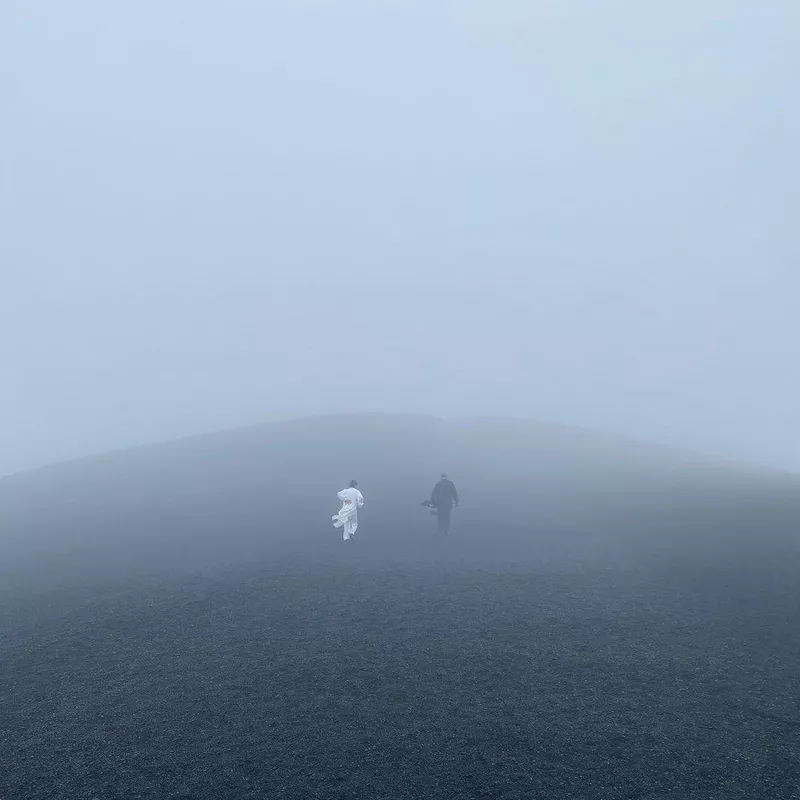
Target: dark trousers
{"x": 444, "y": 518}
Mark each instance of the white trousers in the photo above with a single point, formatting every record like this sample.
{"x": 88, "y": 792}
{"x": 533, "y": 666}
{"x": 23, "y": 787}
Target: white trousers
{"x": 348, "y": 523}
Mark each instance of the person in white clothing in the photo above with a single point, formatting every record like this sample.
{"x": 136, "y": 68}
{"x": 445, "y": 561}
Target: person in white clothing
{"x": 347, "y": 518}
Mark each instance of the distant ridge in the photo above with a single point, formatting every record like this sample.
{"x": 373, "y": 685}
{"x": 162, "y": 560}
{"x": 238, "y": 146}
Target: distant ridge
{"x": 586, "y": 437}
{"x": 527, "y": 488}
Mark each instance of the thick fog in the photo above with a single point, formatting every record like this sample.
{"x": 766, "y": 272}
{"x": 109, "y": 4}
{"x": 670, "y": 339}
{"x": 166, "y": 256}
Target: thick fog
{"x": 216, "y": 214}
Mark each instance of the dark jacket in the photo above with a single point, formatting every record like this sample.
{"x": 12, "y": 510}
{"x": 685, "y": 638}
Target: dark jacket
{"x": 444, "y": 494}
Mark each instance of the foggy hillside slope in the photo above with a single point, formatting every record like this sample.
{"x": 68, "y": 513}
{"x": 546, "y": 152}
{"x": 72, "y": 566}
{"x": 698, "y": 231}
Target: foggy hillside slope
{"x": 252, "y": 492}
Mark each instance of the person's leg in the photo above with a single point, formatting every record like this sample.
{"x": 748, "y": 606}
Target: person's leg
{"x": 444, "y": 520}
{"x": 350, "y": 526}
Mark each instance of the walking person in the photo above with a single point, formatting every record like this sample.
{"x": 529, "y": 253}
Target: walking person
{"x": 443, "y": 498}
{"x": 347, "y": 518}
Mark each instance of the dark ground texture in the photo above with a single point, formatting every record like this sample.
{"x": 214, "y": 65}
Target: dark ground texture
{"x": 367, "y": 680}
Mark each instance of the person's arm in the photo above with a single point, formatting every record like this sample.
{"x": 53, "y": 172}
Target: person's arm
{"x": 341, "y": 495}
{"x": 360, "y": 499}
{"x": 455, "y": 495}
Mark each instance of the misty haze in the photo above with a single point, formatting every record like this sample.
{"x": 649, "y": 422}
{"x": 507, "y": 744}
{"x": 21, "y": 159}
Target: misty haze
{"x": 254, "y": 252}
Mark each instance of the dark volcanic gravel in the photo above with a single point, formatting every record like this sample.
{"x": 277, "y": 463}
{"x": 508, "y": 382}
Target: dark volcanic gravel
{"x": 394, "y": 680}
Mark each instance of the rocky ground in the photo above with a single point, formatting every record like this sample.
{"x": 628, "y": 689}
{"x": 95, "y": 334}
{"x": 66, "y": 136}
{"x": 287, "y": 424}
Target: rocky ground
{"x": 395, "y": 678}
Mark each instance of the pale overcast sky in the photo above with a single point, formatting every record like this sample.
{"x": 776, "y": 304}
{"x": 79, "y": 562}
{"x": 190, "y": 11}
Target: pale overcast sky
{"x": 218, "y": 213}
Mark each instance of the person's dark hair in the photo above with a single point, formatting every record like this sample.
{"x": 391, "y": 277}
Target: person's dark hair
{"x": 354, "y": 484}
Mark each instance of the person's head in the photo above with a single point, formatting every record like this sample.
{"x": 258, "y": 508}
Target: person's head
{"x": 354, "y": 484}
{"x": 444, "y": 476}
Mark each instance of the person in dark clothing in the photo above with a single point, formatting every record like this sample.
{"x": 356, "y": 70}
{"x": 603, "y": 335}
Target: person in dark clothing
{"x": 443, "y": 498}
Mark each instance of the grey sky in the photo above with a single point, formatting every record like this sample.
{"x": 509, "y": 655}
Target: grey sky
{"x": 216, "y": 213}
